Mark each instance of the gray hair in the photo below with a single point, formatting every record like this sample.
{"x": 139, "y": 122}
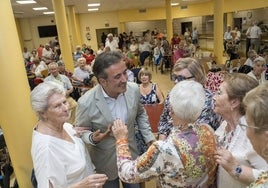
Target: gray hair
{"x": 187, "y": 99}
{"x": 60, "y": 63}
{"x": 81, "y": 59}
{"x": 110, "y": 35}
{"x": 52, "y": 64}
{"x": 41, "y": 94}
{"x": 259, "y": 59}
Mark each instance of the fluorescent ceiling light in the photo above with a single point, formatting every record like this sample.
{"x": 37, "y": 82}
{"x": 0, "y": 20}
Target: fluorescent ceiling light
{"x": 26, "y": 2}
{"x": 93, "y": 9}
{"x": 174, "y": 4}
{"x": 40, "y": 8}
{"x": 48, "y": 12}
{"x": 94, "y": 5}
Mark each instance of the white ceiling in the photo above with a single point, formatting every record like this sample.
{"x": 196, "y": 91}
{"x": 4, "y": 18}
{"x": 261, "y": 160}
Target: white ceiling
{"x": 26, "y": 11}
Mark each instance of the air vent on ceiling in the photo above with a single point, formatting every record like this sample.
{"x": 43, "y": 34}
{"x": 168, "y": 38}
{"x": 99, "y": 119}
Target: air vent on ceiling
{"x": 143, "y": 10}
{"x": 184, "y": 7}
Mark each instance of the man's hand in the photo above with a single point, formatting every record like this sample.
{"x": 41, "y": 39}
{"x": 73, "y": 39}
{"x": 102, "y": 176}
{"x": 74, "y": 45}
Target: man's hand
{"x": 99, "y": 136}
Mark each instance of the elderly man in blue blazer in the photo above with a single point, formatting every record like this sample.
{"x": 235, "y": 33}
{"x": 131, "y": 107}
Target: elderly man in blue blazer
{"x": 113, "y": 98}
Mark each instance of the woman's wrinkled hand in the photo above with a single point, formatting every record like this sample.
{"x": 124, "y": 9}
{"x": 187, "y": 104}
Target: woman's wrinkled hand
{"x": 226, "y": 160}
{"x": 93, "y": 181}
{"x": 119, "y": 130}
{"x": 80, "y": 131}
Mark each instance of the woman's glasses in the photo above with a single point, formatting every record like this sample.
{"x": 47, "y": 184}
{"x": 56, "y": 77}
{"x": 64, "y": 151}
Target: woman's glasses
{"x": 179, "y": 78}
{"x": 243, "y": 126}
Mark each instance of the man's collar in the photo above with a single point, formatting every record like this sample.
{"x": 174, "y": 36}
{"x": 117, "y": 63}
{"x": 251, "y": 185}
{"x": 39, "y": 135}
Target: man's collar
{"x": 107, "y": 96}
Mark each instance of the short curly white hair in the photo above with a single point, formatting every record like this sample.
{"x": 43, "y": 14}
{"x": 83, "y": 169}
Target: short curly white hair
{"x": 187, "y": 99}
{"x": 41, "y": 94}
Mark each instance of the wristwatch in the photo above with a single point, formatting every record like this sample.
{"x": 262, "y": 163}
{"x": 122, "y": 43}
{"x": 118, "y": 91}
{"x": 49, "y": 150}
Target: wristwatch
{"x": 238, "y": 171}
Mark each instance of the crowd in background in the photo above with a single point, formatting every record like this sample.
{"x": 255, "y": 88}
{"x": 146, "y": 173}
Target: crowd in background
{"x": 228, "y": 161}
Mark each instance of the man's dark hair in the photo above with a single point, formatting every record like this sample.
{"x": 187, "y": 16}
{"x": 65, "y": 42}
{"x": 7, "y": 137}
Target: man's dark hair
{"x": 104, "y": 61}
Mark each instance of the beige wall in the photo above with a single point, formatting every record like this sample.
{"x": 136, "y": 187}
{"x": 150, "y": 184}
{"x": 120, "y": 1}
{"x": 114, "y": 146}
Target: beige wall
{"x": 29, "y": 31}
{"x": 139, "y": 27}
{"x": 94, "y": 21}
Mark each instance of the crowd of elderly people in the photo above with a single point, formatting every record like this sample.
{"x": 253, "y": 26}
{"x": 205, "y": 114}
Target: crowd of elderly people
{"x": 205, "y": 139}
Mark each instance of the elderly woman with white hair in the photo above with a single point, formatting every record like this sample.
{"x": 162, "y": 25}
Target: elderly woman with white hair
{"x": 185, "y": 158}
{"x": 258, "y": 71}
{"x": 60, "y": 158}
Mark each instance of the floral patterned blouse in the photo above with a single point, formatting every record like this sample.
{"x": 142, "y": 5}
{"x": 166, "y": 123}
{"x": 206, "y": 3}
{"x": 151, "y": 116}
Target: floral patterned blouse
{"x": 184, "y": 159}
{"x": 207, "y": 116}
{"x": 261, "y": 182}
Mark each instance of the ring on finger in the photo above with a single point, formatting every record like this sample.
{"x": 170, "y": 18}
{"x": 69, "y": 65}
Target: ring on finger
{"x": 97, "y": 185}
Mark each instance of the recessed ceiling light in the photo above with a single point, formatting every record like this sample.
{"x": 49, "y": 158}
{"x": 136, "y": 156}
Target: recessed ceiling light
{"x": 40, "y": 8}
{"x": 175, "y": 4}
{"x": 93, "y": 9}
{"x": 26, "y": 2}
{"x": 48, "y": 12}
{"x": 93, "y": 4}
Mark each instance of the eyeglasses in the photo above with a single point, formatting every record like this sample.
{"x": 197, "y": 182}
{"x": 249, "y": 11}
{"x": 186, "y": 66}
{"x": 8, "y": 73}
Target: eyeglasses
{"x": 179, "y": 78}
{"x": 243, "y": 126}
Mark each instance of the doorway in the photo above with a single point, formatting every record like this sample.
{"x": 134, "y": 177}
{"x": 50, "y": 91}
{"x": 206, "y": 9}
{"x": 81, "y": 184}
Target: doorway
{"x": 105, "y": 31}
{"x": 238, "y": 23}
{"x": 185, "y": 25}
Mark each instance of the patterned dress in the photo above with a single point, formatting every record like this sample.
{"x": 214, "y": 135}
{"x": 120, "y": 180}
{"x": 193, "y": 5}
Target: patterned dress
{"x": 150, "y": 98}
{"x": 185, "y": 159}
{"x": 261, "y": 182}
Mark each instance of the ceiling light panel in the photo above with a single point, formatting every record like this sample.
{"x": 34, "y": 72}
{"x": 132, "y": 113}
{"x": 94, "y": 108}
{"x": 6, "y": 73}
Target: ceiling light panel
{"x": 26, "y": 2}
{"x": 40, "y": 8}
{"x": 94, "y": 5}
{"x": 48, "y": 12}
{"x": 93, "y": 9}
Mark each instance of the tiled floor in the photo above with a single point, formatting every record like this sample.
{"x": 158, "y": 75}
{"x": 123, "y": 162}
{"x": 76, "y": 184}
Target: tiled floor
{"x": 163, "y": 80}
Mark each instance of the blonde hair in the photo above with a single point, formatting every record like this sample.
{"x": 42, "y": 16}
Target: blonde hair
{"x": 193, "y": 67}
{"x": 238, "y": 84}
{"x": 256, "y": 106}
{"x": 145, "y": 71}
